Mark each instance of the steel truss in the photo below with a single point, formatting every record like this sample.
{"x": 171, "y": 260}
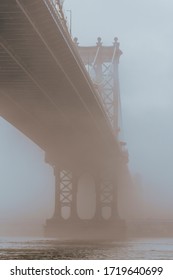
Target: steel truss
{"x": 106, "y": 193}
{"x": 107, "y": 199}
{"x": 65, "y": 196}
{"x": 102, "y": 65}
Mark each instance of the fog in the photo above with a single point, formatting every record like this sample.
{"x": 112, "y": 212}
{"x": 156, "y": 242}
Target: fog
{"x": 144, "y": 30}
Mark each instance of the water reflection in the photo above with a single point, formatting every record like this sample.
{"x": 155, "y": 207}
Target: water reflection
{"x": 27, "y": 248}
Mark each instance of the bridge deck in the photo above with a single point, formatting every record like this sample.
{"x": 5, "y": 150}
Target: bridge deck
{"x": 45, "y": 90}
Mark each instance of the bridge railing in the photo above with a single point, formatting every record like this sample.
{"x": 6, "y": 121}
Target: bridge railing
{"x": 54, "y": 6}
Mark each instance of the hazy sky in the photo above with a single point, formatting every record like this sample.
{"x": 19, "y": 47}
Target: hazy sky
{"x": 145, "y": 32}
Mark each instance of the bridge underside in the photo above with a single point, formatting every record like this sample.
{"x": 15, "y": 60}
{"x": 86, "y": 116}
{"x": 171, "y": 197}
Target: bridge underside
{"x": 47, "y": 94}
{"x": 45, "y": 90}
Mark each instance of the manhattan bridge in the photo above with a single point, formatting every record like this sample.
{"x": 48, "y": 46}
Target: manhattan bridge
{"x": 66, "y": 99}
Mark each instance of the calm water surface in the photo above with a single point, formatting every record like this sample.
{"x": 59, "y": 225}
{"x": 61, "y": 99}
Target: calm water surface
{"x": 28, "y": 248}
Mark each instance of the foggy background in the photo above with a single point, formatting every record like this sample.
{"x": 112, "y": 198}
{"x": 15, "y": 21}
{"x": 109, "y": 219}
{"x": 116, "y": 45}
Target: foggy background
{"x": 145, "y": 32}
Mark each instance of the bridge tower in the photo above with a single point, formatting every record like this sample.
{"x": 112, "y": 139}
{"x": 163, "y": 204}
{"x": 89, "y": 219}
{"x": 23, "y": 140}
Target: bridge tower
{"x": 101, "y": 63}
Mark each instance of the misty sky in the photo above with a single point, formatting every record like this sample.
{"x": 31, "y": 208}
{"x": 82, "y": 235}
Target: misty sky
{"x": 145, "y": 32}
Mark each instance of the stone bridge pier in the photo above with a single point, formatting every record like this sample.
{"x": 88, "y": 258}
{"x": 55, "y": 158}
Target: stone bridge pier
{"x": 70, "y": 220}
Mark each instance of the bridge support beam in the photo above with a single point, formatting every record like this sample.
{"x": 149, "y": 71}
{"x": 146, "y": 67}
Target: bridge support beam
{"x": 65, "y": 194}
{"x": 66, "y": 223}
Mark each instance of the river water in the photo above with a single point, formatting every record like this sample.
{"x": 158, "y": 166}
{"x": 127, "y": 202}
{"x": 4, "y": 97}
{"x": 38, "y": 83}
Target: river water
{"x": 36, "y": 248}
